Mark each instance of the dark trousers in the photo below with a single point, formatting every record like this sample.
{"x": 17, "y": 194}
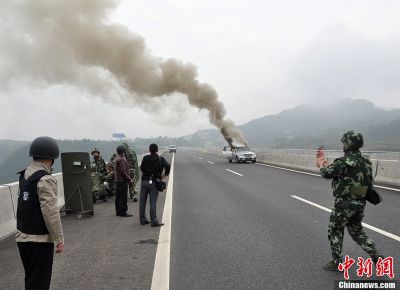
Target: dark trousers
{"x": 37, "y": 259}
{"x": 121, "y": 198}
{"x": 148, "y": 189}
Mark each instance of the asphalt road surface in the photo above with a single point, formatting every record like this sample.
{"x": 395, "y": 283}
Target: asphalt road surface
{"x": 242, "y": 229}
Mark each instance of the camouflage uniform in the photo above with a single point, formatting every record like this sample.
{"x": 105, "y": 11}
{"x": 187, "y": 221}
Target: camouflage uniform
{"x": 98, "y": 189}
{"x": 98, "y": 174}
{"x": 131, "y": 157}
{"x": 100, "y": 165}
{"x": 351, "y": 174}
{"x": 111, "y": 186}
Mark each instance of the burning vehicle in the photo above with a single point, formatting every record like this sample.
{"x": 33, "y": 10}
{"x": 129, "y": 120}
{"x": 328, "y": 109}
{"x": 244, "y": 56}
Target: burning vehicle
{"x": 239, "y": 153}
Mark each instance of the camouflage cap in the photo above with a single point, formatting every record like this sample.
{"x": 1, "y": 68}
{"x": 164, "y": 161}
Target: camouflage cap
{"x": 125, "y": 144}
{"x": 352, "y": 140}
{"x": 95, "y": 150}
{"x": 110, "y": 164}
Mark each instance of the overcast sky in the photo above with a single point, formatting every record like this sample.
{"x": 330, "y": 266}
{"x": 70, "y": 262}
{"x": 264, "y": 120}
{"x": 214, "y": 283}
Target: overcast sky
{"x": 260, "y": 56}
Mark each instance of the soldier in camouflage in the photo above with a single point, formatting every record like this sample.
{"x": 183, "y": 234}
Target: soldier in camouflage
{"x": 131, "y": 157}
{"x": 98, "y": 174}
{"x": 110, "y": 180}
{"x": 98, "y": 189}
{"x": 99, "y": 162}
{"x": 351, "y": 175}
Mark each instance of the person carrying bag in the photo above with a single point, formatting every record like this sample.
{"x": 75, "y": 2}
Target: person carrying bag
{"x": 152, "y": 168}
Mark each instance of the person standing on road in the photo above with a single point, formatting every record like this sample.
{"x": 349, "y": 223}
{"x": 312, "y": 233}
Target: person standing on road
{"x": 152, "y": 168}
{"x": 122, "y": 179}
{"x": 351, "y": 174}
{"x": 131, "y": 157}
{"x": 38, "y": 217}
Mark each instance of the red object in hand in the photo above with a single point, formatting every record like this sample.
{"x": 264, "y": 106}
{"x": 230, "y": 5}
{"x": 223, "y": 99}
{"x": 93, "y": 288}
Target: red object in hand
{"x": 321, "y": 162}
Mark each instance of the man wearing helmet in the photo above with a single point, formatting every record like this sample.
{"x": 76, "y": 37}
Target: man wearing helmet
{"x": 351, "y": 176}
{"x": 98, "y": 175}
{"x": 122, "y": 179}
{"x": 38, "y": 218}
{"x": 99, "y": 162}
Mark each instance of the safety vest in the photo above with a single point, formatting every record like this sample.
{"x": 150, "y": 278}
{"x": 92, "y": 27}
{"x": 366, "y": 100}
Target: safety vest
{"x": 29, "y": 214}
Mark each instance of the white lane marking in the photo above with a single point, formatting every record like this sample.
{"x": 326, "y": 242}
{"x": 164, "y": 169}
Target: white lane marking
{"x": 318, "y": 175}
{"x": 234, "y": 172}
{"x": 388, "y": 188}
{"x": 160, "y": 280}
{"x": 200, "y": 158}
{"x": 382, "y": 232}
{"x": 312, "y": 203}
{"x": 210, "y": 162}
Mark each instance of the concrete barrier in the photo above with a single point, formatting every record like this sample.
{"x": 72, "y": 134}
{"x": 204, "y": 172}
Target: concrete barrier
{"x": 7, "y": 215}
{"x": 387, "y": 171}
{"x": 8, "y": 205}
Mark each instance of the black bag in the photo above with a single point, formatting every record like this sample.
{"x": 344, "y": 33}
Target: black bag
{"x": 160, "y": 184}
{"x": 373, "y": 196}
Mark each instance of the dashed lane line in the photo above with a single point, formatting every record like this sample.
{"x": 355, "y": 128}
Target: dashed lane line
{"x": 375, "y": 229}
{"x": 234, "y": 172}
{"x": 318, "y": 175}
{"x": 211, "y": 162}
{"x": 160, "y": 280}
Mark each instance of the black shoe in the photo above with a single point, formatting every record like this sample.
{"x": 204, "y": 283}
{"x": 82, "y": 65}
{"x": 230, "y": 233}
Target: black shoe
{"x": 135, "y": 199}
{"x": 126, "y": 215}
{"x": 144, "y": 223}
{"x": 157, "y": 225}
{"x": 331, "y": 266}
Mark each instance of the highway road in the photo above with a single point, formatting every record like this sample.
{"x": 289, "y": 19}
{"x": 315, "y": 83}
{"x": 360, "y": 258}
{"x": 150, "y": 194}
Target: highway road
{"x": 238, "y": 226}
{"x": 233, "y": 226}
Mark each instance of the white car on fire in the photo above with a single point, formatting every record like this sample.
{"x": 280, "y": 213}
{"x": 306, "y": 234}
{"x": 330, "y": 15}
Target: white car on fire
{"x": 239, "y": 154}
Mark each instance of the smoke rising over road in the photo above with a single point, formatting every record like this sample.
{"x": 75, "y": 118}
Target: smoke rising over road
{"x": 73, "y": 42}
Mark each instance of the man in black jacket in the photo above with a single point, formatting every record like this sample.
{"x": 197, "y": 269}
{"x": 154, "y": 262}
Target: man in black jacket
{"x": 152, "y": 168}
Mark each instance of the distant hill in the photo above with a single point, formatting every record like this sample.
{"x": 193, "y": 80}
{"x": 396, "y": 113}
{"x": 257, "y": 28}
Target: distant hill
{"x": 309, "y": 126}
{"x": 9, "y": 146}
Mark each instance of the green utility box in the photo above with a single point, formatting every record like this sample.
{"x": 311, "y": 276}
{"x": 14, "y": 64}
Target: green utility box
{"x": 77, "y": 183}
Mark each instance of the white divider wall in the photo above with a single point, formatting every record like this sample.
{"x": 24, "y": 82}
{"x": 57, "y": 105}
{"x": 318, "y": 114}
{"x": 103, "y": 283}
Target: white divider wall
{"x": 8, "y": 205}
{"x": 7, "y": 219}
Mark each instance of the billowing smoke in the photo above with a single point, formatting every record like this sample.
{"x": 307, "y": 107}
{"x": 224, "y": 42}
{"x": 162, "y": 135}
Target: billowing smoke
{"x": 73, "y": 42}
